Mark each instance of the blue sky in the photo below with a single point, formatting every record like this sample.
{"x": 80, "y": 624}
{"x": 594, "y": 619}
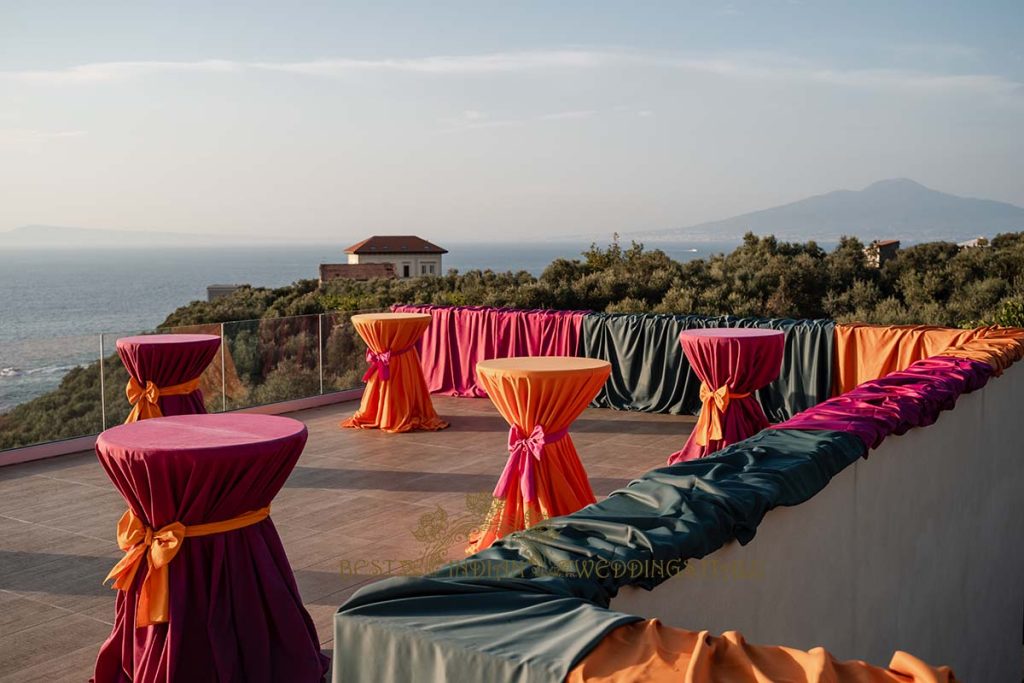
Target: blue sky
{"x": 324, "y": 121}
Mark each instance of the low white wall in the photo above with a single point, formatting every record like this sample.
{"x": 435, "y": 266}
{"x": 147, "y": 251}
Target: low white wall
{"x": 919, "y": 548}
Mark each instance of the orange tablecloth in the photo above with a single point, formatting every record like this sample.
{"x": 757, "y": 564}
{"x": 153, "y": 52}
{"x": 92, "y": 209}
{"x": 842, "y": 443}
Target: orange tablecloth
{"x": 650, "y": 651}
{"x": 539, "y": 398}
{"x": 395, "y": 398}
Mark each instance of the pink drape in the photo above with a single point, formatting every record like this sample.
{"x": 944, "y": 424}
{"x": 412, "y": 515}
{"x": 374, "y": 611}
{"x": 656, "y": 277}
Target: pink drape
{"x": 235, "y": 611}
{"x": 897, "y": 402}
{"x": 461, "y": 336}
{"x": 167, "y": 360}
{"x": 741, "y": 359}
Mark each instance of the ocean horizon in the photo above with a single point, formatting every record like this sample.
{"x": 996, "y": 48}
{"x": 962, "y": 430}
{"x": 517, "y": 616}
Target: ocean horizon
{"x": 56, "y": 302}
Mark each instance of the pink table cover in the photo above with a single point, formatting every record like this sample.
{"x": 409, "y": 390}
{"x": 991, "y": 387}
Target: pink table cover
{"x": 897, "y": 402}
{"x": 459, "y": 337}
{"x": 169, "y": 359}
{"x": 741, "y": 359}
{"x": 235, "y": 611}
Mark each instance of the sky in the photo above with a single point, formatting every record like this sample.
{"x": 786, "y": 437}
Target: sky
{"x": 480, "y": 120}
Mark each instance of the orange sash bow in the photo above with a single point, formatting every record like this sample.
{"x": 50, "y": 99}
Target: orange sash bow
{"x": 709, "y": 424}
{"x": 159, "y": 548}
{"x": 144, "y": 400}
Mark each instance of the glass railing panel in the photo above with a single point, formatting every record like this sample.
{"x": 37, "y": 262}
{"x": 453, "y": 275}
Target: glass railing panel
{"x": 42, "y": 400}
{"x": 115, "y": 378}
{"x": 344, "y": 352}
{"x": 262, "y": 361}
{"x": 271, "y": 360}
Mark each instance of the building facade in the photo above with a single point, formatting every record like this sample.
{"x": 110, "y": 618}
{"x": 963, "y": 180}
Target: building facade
{"x": 356, "y": 271}
{"x": 411, "y": 256}
{"x": 880, "y": 251}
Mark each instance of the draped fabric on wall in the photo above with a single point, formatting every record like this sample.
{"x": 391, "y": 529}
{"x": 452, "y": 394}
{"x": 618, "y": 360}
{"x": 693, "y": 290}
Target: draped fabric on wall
{"x": 461, "y": 336}
{"x": 533, "y": 604}
{"x": 914, "y": 397}
{"x": 867, "y": 352}
{"x": 650, "y": 651}
{"x": 650, "y": 373}
{"x": 485, "y": 628}
{"x": 897, "y": 402}
{"x": 999, "y": 347}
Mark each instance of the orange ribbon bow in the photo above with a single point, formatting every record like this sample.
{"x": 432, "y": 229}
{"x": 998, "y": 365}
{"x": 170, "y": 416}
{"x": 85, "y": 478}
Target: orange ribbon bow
{"x": 709, "y": 424}
{"x": 144, "y": 399}
{"x": 158, "y": 548}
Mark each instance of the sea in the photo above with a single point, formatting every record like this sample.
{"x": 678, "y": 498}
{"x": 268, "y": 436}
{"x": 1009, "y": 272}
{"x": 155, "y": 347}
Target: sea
{"x": 55, "y": 304}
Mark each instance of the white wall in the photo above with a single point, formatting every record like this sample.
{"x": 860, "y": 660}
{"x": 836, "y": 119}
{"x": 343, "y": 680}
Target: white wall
{"x": 919, "y": 548}
{"x": 414, "y": 261}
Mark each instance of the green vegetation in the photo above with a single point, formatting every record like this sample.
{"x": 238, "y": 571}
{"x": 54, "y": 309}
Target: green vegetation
{"x": 273, "y": 355}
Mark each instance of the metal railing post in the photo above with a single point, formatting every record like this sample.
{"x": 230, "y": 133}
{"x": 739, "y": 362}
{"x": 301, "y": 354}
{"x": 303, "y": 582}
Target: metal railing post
{"x": 320, "y": 348}
{"x": 103, "y": 392}
{"x": 223, "y": 373}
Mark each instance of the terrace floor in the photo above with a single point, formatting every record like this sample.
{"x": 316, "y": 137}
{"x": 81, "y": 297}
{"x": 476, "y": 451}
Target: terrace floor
{"x": 354, "y": 496}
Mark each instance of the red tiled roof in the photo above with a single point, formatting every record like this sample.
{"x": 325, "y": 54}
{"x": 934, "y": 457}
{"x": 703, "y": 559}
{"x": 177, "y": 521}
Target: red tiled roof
{"x": 395, "y": 244}
{"x": 355, "y": 271}
{"x": 885, "y": 243}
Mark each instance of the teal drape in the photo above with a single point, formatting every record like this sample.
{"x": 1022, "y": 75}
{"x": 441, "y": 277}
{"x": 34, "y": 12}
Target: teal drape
{"x": 650, "y": 372}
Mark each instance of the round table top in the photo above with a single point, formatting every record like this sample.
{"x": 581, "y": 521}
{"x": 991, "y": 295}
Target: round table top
{"x": 199, "y": 432}
{"x": 542, "y": 365}
{"x": 731, "y": 333}
{"x": 386, "y": 317}
{"x": 158, "y": 339}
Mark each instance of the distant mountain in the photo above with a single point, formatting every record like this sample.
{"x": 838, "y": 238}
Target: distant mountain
{"x": 58, "y": 237}
{"x": 897, "y": 208}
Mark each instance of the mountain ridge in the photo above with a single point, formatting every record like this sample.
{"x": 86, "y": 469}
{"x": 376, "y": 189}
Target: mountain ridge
{"x": 898, "y": 208}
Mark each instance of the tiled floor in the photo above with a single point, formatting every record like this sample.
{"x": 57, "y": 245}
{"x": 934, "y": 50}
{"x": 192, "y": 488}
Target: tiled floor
{"x": 351, "y": 504}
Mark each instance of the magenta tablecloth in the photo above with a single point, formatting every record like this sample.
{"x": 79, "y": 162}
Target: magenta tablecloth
{"x": 167, "y": 360}
{"x": 897, "y": 402}
{"x": 235, "y": 612}
{"x": 742, "y": 360}
{"x": 459, "y": 337}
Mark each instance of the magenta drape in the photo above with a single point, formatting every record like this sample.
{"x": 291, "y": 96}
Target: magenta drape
{"x": 459, "y": 337}
{"x": 897, "y": 402}
{"x": 167, "y": 360}
{"x": 741, "y": 359}
{"x": 235, "y": 610}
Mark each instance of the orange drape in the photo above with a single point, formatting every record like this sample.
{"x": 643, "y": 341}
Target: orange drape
{"x": 145, "y": 399}
{"x": 549, "y": 392}
{"x": 158, "y": 548}
{"x": 1000, "y": 347}
{"x": 400, "y": 403}
{"x": 867, "y": 352}
{"x": 651, "y": 652}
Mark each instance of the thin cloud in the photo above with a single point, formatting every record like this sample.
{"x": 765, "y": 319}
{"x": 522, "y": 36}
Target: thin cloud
{"x": 104, "y": 72}
{"x": 568, "y": 115}
{"x": 8, "y": 135}
{"x": 756, "y": 67}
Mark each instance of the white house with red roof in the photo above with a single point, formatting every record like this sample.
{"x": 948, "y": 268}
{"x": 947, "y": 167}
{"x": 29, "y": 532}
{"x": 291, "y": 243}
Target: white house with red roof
{"x": 411, "y": 256}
